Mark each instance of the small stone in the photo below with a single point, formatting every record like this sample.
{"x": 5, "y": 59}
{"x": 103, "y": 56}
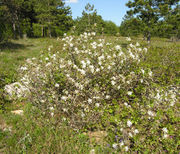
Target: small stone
{"x": 92, "y": 151}
{"x": 17, "y": 112}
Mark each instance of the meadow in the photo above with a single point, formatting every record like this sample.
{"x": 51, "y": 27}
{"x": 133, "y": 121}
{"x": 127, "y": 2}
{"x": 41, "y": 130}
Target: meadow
{"x": 90, "y": 94}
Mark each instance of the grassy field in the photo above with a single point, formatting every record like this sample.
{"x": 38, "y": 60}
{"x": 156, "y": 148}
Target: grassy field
{"x": 35, "y": 133}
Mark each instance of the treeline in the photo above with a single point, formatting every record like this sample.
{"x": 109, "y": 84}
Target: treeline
{"x": 152, "y": 18}
{"x": 34, "y": 18}
{"x": 52, "y": 18}
{"x": 91, "y": 21}
{"x": 48, "y": 18}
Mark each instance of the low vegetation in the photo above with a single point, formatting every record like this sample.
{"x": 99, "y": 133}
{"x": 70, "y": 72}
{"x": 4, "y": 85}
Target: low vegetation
{"x": 80, "y": 87}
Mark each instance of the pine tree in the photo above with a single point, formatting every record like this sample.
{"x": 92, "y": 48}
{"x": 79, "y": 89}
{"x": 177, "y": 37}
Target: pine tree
{"x": 150, "y": 12}
{"x": 52, "y": 13}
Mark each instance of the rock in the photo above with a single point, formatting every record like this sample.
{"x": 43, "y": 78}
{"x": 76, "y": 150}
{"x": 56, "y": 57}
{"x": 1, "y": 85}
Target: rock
{"x": 18, "y": 112}
{"x": 97, "y": 136}
{"x": 92, "y": 151}
{"x": 16, "y": 90}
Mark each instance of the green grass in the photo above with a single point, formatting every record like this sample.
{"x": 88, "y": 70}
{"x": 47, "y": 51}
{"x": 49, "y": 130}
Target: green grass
{"x": 14, "y": 53}
{"x": 33, "y": 132}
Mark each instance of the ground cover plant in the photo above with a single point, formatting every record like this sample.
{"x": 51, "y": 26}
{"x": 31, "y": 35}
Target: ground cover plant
{"x": 95, "y": 84}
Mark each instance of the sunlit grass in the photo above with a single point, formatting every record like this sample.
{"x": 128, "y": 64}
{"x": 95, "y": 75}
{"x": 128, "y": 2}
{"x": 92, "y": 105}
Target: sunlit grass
{"x": 33, "y": 132}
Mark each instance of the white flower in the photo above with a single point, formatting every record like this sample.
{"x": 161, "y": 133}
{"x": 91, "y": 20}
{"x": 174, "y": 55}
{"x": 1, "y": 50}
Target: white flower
{"x": 97, "y": 104}
{"x": 51, "y": 108}
{"x": 137, "y": 44}
{"x": 82, "y": 115}
{"x": 52, "y": 114}
{"x": 71, "y": 45}
{"x": 46, "y": 58}
{"x": 118, "y": 47}
{"x": 165, "y": 136}
{"x": 23, "y": 68}
{"x": 89, "y": 100}
{"x": 165, "y": 130}
{"x": 42, "y": 101}
{"x": 130, "y": 134}
{"x": 129, "y": 123}
{"x": 142, "y": 71}
{"x": 113, "y": 83}
{"x": 150, "y": 73}
{"x": 57, "y": 85}
{"x": 108, "y": 57}
{"x": 121, "y": 144}
{"x": 107, "y": 96}
{"x": 126, "y": 104}
{"x": 150, "y": 113}
{"x": 129, "y": 93}
{"x": 136, "y": 131}
{"x": 158, "y": 96}
{"x": 100, "y": 63}
{"x": 48, "y": 64}
{"x": 83, "y": 72}
{"x": 88, "y": 62}
{"x": 93, "y": 33}
{"x": 64, "y": 98}
{"x": 115, "y": 145}
{"x": 145, "y": 49}
{"x": 128, "y": 39}
{"x": 109, "y": 67}
{"x": 126, "y": 148}
{"x": 120, "y": 54}
{"x": 100, "y": 45}
{"x": 97, "y": 69}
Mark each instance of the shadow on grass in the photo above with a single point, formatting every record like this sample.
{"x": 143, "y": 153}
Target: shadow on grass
{"x": 124, "y": 45}
{"x": 12, "y": 47}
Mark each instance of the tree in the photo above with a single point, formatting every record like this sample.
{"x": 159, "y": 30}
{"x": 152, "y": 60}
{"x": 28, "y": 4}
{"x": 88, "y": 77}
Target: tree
{"x": 172, "y": 22}
{"x": 149, "y": 12}
{"x": 51, "y": 14}
{"x": 110, "y": 28}
{"x": 12, "y": 9}
{"x": 90, "y": 21}
{"x": 131, "y": 26}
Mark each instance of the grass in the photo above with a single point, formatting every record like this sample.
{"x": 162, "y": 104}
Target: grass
{"x": 33, "y": 132}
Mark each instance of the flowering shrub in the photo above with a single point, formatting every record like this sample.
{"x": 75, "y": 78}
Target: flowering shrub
{"x": 96, "y": 84}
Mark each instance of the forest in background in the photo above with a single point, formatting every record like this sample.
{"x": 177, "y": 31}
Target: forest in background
{"x": 52, "y": 18}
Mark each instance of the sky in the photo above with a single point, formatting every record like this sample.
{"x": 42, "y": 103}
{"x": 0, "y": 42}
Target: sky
{"x": 113, "y": 10}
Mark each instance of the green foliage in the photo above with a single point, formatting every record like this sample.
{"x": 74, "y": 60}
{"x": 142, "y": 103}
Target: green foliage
{"x": 92, "y": 22}
{"x": 53, "y": 15}
{"x": 37, "y": 30}
{"x": 155, "y": 18}
{"x": 89, "y": 21}
{"x": 19, "y": 17}
{"x": 110, "y": 28}
{"x": 131, "y": 26}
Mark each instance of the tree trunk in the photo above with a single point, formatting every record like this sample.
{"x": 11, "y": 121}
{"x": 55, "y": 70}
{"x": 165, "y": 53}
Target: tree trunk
{"x": 18, "y": 24}
{"x": 50, "y": 31}
{"x": 42, "y": 31}
{"x": 149, "y": 37}
{"x": 14, "y": 30}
